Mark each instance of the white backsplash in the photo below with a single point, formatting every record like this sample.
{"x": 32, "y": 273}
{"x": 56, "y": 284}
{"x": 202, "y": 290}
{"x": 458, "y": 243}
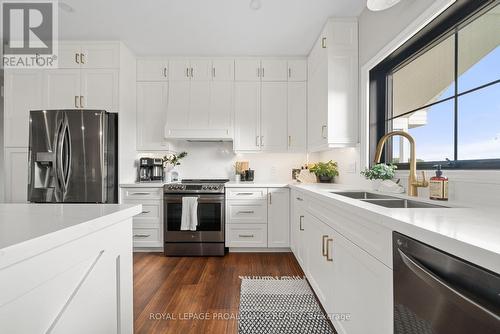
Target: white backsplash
{"x": 216, "y": 160}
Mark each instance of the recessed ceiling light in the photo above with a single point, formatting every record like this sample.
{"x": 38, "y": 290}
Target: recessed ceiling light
{"x": 376, "y": 5}
{"x": 67, "y": 8}
{"x": 255, "y": 4}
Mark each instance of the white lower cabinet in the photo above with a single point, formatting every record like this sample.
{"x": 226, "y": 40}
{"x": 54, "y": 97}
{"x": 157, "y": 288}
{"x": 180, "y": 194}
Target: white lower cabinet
{"x": 257, "y": 217}
{"x": 148, "y": 225}
{"x": 361, "y": 288}
{"x": 16, "y": 170}
{"x": 298, "y": 229}
{"x": 278, "y": 222}
{"x": 354, "y": 288}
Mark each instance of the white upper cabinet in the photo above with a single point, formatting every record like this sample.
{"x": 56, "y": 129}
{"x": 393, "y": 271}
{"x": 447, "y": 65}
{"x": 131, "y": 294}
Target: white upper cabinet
{"x": 180, "y": 69}
{"x": 274, "y": 117}
{"x": 200, "y": 69}
{"x": 152, "y": 69}
{"x": 23, "y": 92}
{"x": 333, "y": 87}
{"x": 61, "y": 89}
{"x": 100, "y": 55}
{"x": 99, "y": 89}
{"x": 278, "y": 223}
{"x": 297, "y": 116}
{"x": 274, "y": 70}
{"x": 297, "y": 70}
{"x": 221, "y": 107}
{"x": 89, "y": 55}
{"x": 247, "y": 70}
{"x": 69, "y": 55}
{"x": 223, "y": 69}
{"x": 247, "y": 116}
{"x": 151, "y": 115}
{"x": 178, "y": 106}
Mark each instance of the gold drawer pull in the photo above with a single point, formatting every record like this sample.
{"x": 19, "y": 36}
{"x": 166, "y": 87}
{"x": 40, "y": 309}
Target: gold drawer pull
{"x": 142, "y": 235}
{"x": 329, "y": 257}
{"x": 248, "y": 212}
{"x": 244, "y": 194}
{"x": 300, "y": 223}
{"x": 323, "y": 248}
{"x": 246, "y": 235}
{"x": 145, "y": 212}
{"x": 139, "y": 193}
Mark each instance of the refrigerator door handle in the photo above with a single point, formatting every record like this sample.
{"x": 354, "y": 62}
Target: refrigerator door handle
{"x": 59, "y": 160}
{"x": 67, "y": 158}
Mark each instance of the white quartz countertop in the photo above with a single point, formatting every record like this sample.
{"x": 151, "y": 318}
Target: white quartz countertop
{"x": 244, "y": 184}
{"x": 472, "y": 234}
{"x": 22, "y": 223}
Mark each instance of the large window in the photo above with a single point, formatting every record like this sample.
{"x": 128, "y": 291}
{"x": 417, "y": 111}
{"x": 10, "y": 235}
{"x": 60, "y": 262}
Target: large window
{"x": 445, "y": 92}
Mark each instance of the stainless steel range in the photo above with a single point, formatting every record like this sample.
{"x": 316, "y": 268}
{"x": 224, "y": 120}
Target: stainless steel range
{"x": 208, "y": 238}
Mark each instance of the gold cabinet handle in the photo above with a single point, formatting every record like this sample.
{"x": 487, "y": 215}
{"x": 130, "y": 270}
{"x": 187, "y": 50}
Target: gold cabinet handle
{"x": 144, "y": 212}
{"x": 329, "y": 257}
{"x": 246, "y": 212}
{"x": 187, "y": 72}
{"x": 289, "y": 72}
{"x": 323, "y": 248}
{"x": 299, "y": 199}
{"x": 213, "y": 72}
{"x": 258, "y": 72}
{"x": 261, "y": 141}
{"x": 323, "y": 42}
{"x": 77, "y": 58}
{"x": 246, "y": 235}
{"x": 81, "y": 101}
{"x": 76, "y": 101}
{"x": 289, "y": 141}
{"x": 141, "y": 235}
{"x": 191, "y": 72}
{"x": 323, "y": 129}
{"x": 82, "y": 58}
{"x": 300, "y": 223}
{"x": 165, "y": 72}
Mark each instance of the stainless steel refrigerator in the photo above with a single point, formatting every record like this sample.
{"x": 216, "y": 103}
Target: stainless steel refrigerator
{"x": 73, "y": 156}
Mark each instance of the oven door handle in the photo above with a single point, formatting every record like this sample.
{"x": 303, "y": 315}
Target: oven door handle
{"x": 439, "y": 284}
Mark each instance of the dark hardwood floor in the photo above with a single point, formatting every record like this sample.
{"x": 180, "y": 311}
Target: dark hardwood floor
{"x": 170, "y": 291}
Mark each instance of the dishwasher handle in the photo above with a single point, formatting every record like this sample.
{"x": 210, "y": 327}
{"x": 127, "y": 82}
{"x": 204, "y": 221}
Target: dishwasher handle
{"x": 446, "y": 289}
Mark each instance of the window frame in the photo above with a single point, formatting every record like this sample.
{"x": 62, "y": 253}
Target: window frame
{"x": 445, "y": 25}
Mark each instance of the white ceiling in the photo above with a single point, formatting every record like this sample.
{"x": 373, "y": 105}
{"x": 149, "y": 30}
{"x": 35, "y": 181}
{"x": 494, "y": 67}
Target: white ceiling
{"x": 204, "y": 27}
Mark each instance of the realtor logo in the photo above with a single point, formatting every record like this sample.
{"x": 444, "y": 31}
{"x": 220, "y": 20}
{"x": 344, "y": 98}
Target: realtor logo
{"x": 29, "y": 32}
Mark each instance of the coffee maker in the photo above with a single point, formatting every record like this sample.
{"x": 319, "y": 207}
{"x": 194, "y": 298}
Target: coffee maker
{"x": 145, "y": 169}
{"x": 157, "y": 174}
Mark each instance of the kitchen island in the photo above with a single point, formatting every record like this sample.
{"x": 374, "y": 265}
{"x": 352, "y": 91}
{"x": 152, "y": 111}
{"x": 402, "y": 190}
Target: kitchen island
{"x": 66, "y": 268}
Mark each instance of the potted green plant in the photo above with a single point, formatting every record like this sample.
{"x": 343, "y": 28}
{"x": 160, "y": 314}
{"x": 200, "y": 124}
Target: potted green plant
{"x": 170, "y": 162}
{"x": 325, "y": 171}
{"x": 379, "y": 172}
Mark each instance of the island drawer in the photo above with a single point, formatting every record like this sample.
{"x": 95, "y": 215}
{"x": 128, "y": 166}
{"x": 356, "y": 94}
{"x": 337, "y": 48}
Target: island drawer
{"x": 141, "y": 193}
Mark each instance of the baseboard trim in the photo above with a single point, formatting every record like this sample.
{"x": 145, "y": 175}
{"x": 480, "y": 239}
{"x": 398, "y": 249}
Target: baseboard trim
{"x": 148, "y": 249}
{"x": 259, "y": 250}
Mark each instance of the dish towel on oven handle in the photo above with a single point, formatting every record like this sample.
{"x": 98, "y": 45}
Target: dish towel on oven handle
{"x": 189, "y": 218}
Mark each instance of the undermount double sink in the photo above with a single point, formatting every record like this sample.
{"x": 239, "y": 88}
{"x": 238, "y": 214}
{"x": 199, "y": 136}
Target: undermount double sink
{"x": 387, "y": 201}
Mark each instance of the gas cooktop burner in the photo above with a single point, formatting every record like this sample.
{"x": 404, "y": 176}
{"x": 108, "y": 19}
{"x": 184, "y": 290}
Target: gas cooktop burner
{"x": 196, "y": 186}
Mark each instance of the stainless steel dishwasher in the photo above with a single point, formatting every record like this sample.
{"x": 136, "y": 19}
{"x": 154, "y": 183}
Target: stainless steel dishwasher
{"x": 437, "y": 293}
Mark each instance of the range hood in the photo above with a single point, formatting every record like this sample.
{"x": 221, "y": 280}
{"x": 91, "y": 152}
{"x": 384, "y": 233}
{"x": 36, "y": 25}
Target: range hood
{"x": 200, "y": 135}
